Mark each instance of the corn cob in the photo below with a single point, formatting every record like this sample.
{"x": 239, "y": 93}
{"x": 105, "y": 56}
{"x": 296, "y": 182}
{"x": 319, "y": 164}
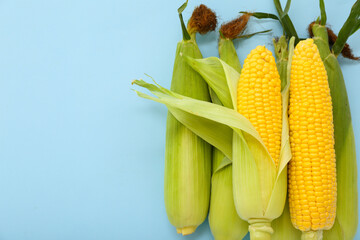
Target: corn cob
{"x": 312, "y": 169}
{"x": 259, "y": 98}
{"x": 224, "y": 222}
{"x": 188, "y": 157}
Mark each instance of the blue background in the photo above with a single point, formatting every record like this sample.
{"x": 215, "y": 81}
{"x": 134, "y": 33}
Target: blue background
{"x": 81, "y": 156}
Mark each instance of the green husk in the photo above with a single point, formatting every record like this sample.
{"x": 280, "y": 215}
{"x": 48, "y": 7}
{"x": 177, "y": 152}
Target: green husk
{"x": 347, "y": 196}
{"x": 225, "y": 224}
{"x": 187, "y": 156}
{"x": 228, "y": 53}
{"x": 212, "y": 122}
{"x": 335, "y": 233}
{"x": 283, "y": 228}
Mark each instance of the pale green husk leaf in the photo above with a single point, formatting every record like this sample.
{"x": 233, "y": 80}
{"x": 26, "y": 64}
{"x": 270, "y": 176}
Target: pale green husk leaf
{"x": 224, "y": 163}
{"x": 220, "y": 77}
{"x": 246, "y": 181}
{"x": 283, "y": 228}
{"x": 210, "y": 121}
{"x": 225, "y": 224}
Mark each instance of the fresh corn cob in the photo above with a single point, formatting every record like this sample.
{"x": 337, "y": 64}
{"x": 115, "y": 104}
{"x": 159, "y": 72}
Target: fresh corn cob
{"x": 224, "y": 222}
{"x": 259, "y": 98}
{"x": 312, "y": 169}
{"x": 187, "y": 156}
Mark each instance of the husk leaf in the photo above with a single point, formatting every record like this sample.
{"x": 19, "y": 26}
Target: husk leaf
{"x": 224, "y": 222}
{"x": 221, "y": 78}
{"x": 283, "y": 228}
{"x": 247, "y": 188}
{"x": 195, "y": 113}
{"x": 228, "y": 53}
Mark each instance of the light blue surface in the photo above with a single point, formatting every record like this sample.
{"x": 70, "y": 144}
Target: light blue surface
{"x": 81, "y": 156}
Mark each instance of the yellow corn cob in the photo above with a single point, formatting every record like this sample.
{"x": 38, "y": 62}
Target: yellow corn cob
{"x": 259, "y": 97}
{"x": 312, "y": 171}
